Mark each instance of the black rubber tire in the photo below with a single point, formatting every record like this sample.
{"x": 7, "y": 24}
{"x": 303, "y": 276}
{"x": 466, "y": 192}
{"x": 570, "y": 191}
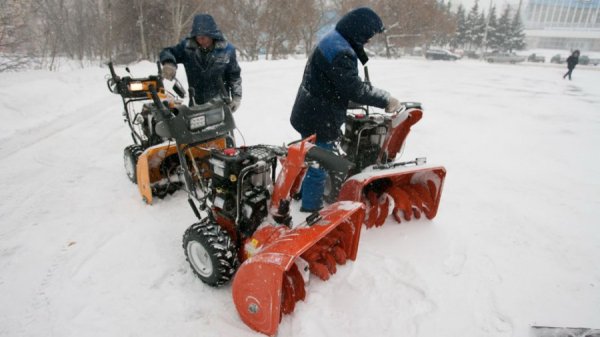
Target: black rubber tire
{"x": 219, "y": 248}
{"x": 130, "y": 158}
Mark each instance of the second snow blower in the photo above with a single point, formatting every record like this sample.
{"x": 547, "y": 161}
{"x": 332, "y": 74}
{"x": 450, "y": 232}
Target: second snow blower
{"x": 152, "y": 160}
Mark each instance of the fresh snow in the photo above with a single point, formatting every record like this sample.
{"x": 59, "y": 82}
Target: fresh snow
{"x": 516, "y": 241}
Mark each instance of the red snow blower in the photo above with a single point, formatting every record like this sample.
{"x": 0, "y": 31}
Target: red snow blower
{"x": 244, "y": 216}
{"x": 371, "y": 141}
{"x": 247, "y": 223}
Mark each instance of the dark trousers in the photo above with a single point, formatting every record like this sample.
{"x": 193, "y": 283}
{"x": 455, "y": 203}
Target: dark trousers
{"x": 568, "y": 73}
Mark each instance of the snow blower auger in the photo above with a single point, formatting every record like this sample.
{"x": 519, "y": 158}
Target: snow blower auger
{"x": 372, "y": 141}
{"x": 152, "y": 160}
{"x": 245, "y": 226}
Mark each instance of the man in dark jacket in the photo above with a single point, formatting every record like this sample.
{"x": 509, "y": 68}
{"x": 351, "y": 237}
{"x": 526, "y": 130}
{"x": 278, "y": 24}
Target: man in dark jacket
{"x": 330, "y": 82}
{"x": 571, "y": 63}
{"x": 210, "y": 62}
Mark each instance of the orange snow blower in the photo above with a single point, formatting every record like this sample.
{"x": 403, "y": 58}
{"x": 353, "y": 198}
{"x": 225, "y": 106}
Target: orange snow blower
{"x": 151, "y": 161}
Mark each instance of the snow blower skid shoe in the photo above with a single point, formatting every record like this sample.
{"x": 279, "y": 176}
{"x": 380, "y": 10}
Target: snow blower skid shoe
{"x": 269, "y": 283}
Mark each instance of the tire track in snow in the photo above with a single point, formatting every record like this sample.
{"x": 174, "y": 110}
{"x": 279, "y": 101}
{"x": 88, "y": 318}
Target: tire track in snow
{"x": 483, "y": 278}
{"x": 489, "y": 318}
{"x": 406, "y": 298}
{"x": 24, "y": 139}
{"x": 40, "y": 306}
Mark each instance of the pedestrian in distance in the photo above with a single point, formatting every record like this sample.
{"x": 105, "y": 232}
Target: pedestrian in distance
{"x": 330, "y": 82}
{"x": 210, "y": 63}
{"x": 571, "y": 63}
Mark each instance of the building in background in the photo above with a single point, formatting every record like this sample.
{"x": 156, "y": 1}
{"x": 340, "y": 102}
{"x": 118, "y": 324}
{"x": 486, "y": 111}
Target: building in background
{"x": 562, "y": 24}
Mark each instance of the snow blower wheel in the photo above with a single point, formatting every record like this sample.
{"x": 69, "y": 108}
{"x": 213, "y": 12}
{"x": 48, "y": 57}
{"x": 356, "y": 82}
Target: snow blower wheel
{"x": 211, "y": 253}
{"x": 130, "y": 158}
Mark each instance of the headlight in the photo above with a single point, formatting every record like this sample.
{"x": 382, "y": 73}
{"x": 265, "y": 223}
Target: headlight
{"x": 136, "y": 86}
{"x": 197, "y": 122}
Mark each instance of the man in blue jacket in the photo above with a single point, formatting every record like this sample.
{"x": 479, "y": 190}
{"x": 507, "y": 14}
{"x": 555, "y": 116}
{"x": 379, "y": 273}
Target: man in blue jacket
{"x": 330, "y": 82}
{"x": 210, "y": 62}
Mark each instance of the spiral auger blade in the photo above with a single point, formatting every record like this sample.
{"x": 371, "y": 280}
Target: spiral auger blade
{"x": 407, "y": 192}
{"x": 269, "y": 283}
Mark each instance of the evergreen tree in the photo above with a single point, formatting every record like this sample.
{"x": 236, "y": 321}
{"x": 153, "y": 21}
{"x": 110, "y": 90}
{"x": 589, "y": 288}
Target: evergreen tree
{"x": 517, "y": 36}
{"x": 461, "y": 28}
{"x": 503, "y": 31}
{"x": 472, "y": 26}
{"x": 479, "y": 30}
{"x": 491, "y": 35}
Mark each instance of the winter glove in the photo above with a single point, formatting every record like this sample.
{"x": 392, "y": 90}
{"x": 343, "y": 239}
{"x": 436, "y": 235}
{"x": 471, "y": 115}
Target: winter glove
{"x": 393, "y": 105}
{"x": 169, "y": 70}
{"x": 235, "y": 103}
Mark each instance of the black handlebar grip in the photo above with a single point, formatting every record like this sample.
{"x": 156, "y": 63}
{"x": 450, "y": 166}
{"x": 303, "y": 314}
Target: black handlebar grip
{"x": 112, "y": 71}
{"x": 159, "y": 105}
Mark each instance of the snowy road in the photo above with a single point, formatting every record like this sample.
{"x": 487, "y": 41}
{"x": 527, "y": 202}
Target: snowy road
{"x": 516, "y": 241}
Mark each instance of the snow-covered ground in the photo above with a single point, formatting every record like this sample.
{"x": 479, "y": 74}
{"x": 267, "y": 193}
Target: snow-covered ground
{"x": 516, "y": 241}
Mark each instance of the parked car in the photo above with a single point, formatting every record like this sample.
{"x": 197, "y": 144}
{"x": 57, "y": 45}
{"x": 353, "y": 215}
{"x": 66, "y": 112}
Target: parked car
{"x": 440, "y": 54}
{"x": 504, "y": 58}
{"x": 535, "y": 58}
{"x": 586, "y": 60}
{"x": 558, "y": 59}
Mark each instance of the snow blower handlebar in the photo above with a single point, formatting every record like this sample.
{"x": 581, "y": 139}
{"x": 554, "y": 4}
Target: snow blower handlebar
{"x": 134, "y": 89}
{"x": 164, "y": 113}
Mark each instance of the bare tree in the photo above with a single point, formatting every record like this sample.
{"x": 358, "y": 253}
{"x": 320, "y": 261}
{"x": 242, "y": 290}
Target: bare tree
{"x": 141, "y": 22}
{"x": 279, "y": 23}
{"x": 139, "y": 29}
{"x": 312, "y": 15}
{"x": 12, "y": 23}
{"x": 53, "y": 17}
{"x": 240, "y": 20}
{"x": 181, "y": 14}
